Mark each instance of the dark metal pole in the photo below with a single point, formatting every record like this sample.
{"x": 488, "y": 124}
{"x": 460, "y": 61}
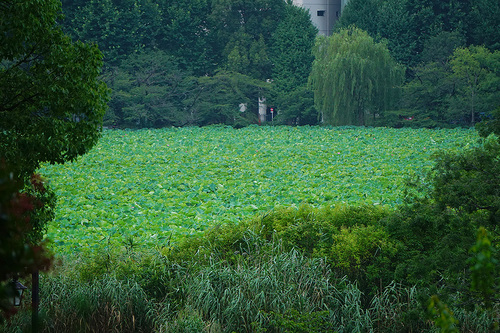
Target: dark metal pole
{"x": 35, "y": 300}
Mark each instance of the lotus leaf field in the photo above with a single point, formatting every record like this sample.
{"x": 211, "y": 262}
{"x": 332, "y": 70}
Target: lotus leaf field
{"x": 154, "y": 186}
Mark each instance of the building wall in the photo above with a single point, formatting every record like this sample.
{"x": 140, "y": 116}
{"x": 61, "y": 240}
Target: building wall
{"x": 324, "y": 13}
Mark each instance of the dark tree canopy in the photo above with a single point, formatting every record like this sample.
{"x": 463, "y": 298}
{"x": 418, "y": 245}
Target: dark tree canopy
{"x": 225, "y": 98}
{"x": 201, "y": 37}
{"x": 408, "y": 24}
{"x": 477, "y": 74}
{"x": 148, "y": 91}
{"x": 272, "y": 39}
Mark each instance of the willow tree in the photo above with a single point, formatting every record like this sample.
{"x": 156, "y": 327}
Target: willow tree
{"x": 352, "y": 77}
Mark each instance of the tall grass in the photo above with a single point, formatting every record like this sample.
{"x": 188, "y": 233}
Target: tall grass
{"x": 477, "y": 320}
{"x": 105, "y": 305}
{"x": 276, "y": 292}
{"x": 237, "y": 296}
{"x": 396, "y": 308}
{"x": 243, "y": 297}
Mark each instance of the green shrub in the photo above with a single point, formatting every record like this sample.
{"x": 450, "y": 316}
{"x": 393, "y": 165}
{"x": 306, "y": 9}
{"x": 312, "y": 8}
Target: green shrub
{"x": 432, "y": 244}
{"x": 358, "y": 250}
{"x": 226, "y": 242}
{"x": 491, "y": 124}
{"x": 433, "y": 233}
{"x": 469, "y": 182}
{"x": 324, "y": 232}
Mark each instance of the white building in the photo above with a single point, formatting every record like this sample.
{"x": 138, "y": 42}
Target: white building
{"x": 324, "y": 13}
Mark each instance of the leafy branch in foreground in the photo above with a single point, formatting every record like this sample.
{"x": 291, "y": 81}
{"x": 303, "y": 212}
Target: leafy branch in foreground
{"x": 51, "y": 102}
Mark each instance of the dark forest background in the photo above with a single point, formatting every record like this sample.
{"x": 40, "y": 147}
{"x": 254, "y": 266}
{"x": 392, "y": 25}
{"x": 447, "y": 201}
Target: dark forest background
{"x": 193, "y": 62}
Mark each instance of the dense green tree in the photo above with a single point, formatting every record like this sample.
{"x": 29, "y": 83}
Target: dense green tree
{"x": 361, "y": 13}
{"x": 426, "y": 98}
{"x": 186, "y": 33}
{"x": 151, "y": 23}
{"x": 51, "y": 109}
{"x": 260, "y": 64}
{"x": 148, "y": 90}
{"x": 255, "y": 17}
{"x": 352, "y": 76}
{"x": 291, "y": 49}
{"x": 97, "y": 22}
{"x": 477, "y": 72}
{"x": 71, "y": 10}
{"x": 426, "y": 237}
{"x": 203, "y": 35}
{"x": 238, "y": 59}
{"x": 248, "y": 55}
{"x": 119, "y": 28}
{"x": 470, "y": 182}
{"x": 454, "y": 85}
{"x": 386, "y": 19}
{"x": 431, "y": 17}
{"x": 461, "y": 196}
{"x": 291, "y": 55}
{"x": 407, "y": 24}
{"x": 394, "y": 24}
{"x": 297, "y": 107}
{"x": 127, "y": 32}
{"x": 242, "y": 31}
{"x": 484, "y": 24}
{"x": 440, "y": 47}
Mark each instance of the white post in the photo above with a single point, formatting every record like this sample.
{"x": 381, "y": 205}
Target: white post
{"x": 262, "y": 109}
